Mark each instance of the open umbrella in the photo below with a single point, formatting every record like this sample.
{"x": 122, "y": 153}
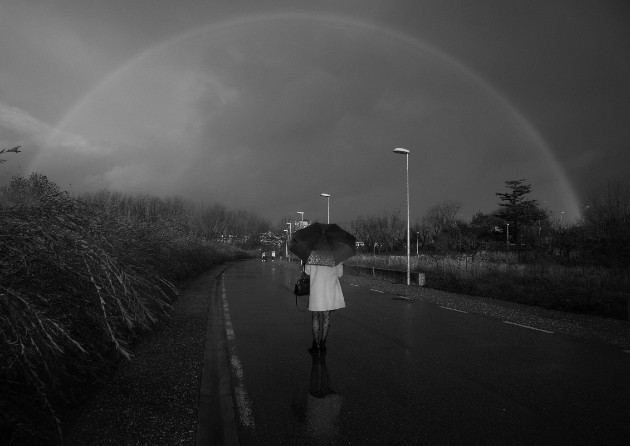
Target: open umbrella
{"x": 323, "y": 244}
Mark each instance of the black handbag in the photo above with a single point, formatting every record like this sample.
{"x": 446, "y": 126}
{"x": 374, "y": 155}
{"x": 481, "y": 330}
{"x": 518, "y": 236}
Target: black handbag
{"x": 302, "y": 288}
{"x": 303, "y": 285}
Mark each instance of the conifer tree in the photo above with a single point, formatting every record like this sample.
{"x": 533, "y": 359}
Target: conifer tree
{"x": 517, "y": 210}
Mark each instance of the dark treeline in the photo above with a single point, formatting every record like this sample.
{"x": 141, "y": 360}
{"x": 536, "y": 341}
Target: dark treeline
{"x": 210, "y": 222}
{"x": 601, "y": 236}
{"x": 519, "y": 252}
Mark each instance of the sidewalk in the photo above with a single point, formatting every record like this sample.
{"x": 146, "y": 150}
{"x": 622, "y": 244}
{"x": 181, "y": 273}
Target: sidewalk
{"x": 154, "y": 398}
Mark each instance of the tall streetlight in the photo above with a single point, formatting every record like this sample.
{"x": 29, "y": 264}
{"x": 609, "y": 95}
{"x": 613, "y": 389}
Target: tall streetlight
{"x": 302, "y": 221}
{"x": 286, "y": 244}
{"x": 507, "y": 236}
{"x": 290, "y": 235}
{"x": 405, "y": 152}
{"x": 328, "y": 203}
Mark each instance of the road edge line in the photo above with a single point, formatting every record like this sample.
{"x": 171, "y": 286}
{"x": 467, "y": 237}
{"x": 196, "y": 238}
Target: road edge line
{"x": 527, "y": 326}
{"x": 452, "y": 309}
{"x": 216, "y": 416}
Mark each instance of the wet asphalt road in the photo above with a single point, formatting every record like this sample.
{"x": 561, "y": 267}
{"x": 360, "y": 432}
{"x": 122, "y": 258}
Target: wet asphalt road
{"x": 406, "y": 372}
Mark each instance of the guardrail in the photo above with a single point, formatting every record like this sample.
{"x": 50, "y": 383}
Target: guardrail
{"x": 395, "y": 276}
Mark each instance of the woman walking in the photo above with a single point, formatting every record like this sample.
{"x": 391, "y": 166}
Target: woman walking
{"x": 322, "y": 248}
{"x": 326, "y": 296}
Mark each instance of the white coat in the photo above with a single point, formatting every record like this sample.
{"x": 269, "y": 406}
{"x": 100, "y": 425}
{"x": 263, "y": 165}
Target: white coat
{"x": 326, "y": 291}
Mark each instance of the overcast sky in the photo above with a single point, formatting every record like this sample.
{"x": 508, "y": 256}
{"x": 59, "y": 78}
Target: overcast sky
{"x": 265, "y": 104}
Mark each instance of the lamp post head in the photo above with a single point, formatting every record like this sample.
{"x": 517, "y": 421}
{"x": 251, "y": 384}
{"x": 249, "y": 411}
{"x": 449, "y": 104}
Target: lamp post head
{"x": 401, "y": 151}
{"x": 325, "y": 195}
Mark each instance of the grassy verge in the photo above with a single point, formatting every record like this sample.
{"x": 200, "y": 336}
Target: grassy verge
{"x": 582, "y": 289}
{"x": 78, "y": 283}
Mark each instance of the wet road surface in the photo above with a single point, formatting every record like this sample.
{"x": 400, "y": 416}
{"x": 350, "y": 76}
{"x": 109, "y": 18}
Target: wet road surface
{"x": 405, "y": 372}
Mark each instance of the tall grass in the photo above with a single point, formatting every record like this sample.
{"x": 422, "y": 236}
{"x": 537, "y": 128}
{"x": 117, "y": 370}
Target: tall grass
{"x": 79, "y": 280}
{"x": 579, "y": 288}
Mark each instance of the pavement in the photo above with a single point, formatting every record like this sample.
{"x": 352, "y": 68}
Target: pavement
{"x": 177, "y": 389}
{"x": 159, "y": 397}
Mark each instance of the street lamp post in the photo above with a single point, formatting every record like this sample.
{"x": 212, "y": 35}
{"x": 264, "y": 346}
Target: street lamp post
{"x": 507, "y": 236}
{"x": 406, "y": 153}
{"x": 417, "y": 242}
{"x": 286, "y": 244}
{"x": 290, "y": 235}
{"x": 302, "y": 214}
{"x": 328, "y": 204}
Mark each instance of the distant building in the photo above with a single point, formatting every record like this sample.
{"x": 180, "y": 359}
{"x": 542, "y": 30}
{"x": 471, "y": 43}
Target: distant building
{"x": 301, "y": 224}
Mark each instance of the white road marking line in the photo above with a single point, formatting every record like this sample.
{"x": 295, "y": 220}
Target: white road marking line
{"x": 227, "y": 320}
{"x": 627, "y": 351}
{"x": 453, "y": 309}
{"x": 353, "y": 284}
{"x": 377, "y": 291}
{"x": 527, "y": 326}
{"x": 245, "y": 408}
{"x": 242, "y": 399}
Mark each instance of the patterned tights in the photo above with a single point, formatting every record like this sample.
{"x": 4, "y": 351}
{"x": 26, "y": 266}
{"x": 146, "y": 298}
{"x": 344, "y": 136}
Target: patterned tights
{"x": 321, "y": 324}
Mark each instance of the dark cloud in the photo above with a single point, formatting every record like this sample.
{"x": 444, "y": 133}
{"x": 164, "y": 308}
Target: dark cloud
{"x": 268, "y": 114}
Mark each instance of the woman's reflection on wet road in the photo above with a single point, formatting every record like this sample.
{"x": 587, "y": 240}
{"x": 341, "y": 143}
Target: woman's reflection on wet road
{"x": 319, "y": 407}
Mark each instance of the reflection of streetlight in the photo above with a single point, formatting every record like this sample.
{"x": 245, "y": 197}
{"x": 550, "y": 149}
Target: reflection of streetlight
{"x": 405, "y": 152}
{"x": 561, "y": 214}
{"x": 328, "y": 202}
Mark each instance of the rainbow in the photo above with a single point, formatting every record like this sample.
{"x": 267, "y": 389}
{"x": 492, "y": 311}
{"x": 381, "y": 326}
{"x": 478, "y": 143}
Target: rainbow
{"x": 567, "y": 191}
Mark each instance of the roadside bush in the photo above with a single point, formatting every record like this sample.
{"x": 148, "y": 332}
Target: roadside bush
{"x": 77, "y": 285}
{"x": 588, "y": 289}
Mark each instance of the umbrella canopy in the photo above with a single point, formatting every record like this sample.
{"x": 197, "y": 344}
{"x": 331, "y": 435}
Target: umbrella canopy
{"x": 323, "y": 244}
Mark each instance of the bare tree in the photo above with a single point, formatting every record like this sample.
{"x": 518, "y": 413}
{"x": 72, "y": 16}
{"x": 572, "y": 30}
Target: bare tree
{"x": 392, "y": 228}
{"x": 441, "y": 217}
{"x": 15, "y": 149}
{"x": 607, "y": 207}
{"x": 606, "y": 221}
{"x": 365, "y": 229}
{"x": 385, "y": 229}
